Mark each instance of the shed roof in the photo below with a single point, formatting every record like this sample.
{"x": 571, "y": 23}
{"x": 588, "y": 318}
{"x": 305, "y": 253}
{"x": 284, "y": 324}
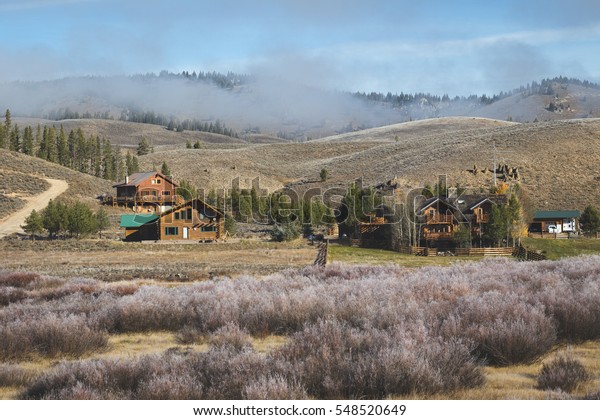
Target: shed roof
{"x": 556, "y": 214}
{"x": 136, "y": 220}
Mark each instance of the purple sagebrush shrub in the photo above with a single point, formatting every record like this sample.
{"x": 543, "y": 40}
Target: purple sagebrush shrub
{"x": 333, "y": 360}
{"x": 274, "y": 387}
{"x": 564, "y": 373}
{"x": 17, "y": 279}
{"x": 503, "y": 329}
{"x": 11, "y": 295}
{"x": 14, "y": 375}
{"x": 230, "y": 336}
{"x": 49, "y": 336}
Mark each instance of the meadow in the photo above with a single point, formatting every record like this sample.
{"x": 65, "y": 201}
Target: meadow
{"x": 482, "y": 329}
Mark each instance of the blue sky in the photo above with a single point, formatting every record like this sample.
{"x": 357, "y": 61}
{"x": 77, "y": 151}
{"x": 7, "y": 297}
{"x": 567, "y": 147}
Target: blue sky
{"x": 455, "y": 47}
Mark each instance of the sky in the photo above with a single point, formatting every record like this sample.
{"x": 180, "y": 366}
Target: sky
{"x": 454, "y": 47}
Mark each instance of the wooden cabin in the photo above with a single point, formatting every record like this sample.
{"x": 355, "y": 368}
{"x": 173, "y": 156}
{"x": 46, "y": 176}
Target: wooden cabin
{"x": 146, "y": 192}
{"x": 555, "y": 223}
{"x": 193, "y": 220}
{"x": 438, "y": 219}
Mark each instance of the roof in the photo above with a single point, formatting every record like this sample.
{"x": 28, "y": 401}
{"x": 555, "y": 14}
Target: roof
{"x": 136, "y": 220}
{"x": 199, "y": 203}
{"x": 557, "y": 214}
{"x": 139, "y": 177}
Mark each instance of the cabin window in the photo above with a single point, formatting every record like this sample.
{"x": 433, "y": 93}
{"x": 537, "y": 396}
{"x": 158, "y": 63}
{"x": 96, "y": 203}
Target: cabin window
{"x": 166, "y": 192}
{"x": 189, "y": 214}
{"x": 171, "y": 231}
{"x": 209, "y": 228}
{"x": 176, "y": 215}
{"x": 158, "y": 181}
{"x": 201, "y": 215}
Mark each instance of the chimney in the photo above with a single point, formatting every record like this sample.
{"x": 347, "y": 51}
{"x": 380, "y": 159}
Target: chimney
{"x": 127, "y": 179}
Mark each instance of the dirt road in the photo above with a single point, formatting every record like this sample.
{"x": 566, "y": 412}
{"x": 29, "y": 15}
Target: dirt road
{"x": 12, "y": 223}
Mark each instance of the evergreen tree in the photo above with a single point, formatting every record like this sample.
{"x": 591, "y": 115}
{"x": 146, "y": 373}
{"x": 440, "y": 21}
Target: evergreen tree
{"x": 2, "y": 136}
{"x": 108, "y": 162}
{"x": 143, "y": 147}
{"x": 80, "y": 220}
{"x": 102, "y": 221}
{"x": 165, "y": 169}
{"x": 590, "y": 220}
{"x": 54, "y": 218}
{"x": 15, "y": 139}
{"x": 186, "y": 190}
{"x": 33, "y": 224}
{"x": 27, "y": 146}
{"x": 64, "y": 157}
{"x": 7, "y": 122}
{"x": 38, "y": 139}
{"x": 50, "y": 143}
{"x": 188, "y": 144}
{"x": 324, "y": 174}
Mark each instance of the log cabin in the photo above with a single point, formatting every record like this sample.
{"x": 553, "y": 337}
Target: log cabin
{"x": 146, "y": 192}
{"x": 193, "y": 220}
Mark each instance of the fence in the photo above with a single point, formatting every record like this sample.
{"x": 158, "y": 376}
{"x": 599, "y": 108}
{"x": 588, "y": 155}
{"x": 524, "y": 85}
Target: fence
{"x": 463, "y": 252}
{"x": 524, "y": 254}
{"x": 322, "y": 253}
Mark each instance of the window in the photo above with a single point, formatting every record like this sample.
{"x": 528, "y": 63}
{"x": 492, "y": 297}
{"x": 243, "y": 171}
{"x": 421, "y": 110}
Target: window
{"x": 158, "y": 181}
{"x": 189, "y": 214}
{"x": 154, "y": 181}
{"x": 166, "y": 192}
{"x": 209, "y": 228}
{"x": 171, "y": 231}
{"x": 176, "y": 215}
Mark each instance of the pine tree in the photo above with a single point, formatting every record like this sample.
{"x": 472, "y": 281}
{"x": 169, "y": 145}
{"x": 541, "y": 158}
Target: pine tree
{"x": 54, "y": 218}
{"x": 38, "y": 139}
{"x": 33, "y": 224}
{"x": 15, "y": 139}
{"x": 64, "y": 157}
{"x": 143, "y": 147}
{"x": 50, "y": 143}
{"x": 81, "y": 220}
{"x": 7, "y": 122}
{"x": 590, "y": 220}
{"x": 165, "y": 169}
{"x": 102, "y": 221}
{"x": 27, "y": 146}
{"x": 2, "y": 136}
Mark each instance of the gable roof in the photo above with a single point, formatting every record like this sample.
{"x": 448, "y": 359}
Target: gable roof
{"x": 202, "y": 203}
{"x": 136, "y": 220}
{"x": 139, "y": 177}
{"x": 556, "y": 214}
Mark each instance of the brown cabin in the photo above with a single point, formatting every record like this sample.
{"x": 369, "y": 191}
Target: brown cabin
{"x": 193, "y": 220}
{"x": 146, "y": 191}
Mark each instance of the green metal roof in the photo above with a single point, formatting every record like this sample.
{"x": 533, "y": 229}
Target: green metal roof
{"x": 136, "y": 220}
{"x": 557, "y": 214}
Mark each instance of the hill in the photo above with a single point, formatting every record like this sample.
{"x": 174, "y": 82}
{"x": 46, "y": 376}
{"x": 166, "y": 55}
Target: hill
{"x": 23, "y": 176}
{"x": 557, "y": 160}
{"x": 128, "y": 134}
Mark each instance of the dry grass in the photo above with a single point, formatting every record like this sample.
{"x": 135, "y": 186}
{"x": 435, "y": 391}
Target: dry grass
{"x": 114, "y": 260}
{"x": 17, "y": 167}
{"x": 562, "y": 179}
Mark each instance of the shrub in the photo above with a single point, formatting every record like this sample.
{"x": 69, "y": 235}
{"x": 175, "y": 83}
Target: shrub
{"x": 562, "y": 373}
{"x": 13, "y": 375}
{"x": 231, "y": 337}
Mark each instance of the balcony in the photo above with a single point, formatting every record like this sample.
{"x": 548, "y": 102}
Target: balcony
{"x": 439, "y": 219}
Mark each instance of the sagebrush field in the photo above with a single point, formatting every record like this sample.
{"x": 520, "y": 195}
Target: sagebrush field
{"x": 341, "y": 332}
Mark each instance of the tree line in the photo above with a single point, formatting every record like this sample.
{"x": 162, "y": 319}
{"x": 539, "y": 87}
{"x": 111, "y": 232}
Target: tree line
{"x": 61, "y": 220}
{"x": 89, "y": 154}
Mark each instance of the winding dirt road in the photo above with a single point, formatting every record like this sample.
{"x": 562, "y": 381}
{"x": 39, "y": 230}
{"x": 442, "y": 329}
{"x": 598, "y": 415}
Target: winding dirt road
{"x": 12, "y": 224}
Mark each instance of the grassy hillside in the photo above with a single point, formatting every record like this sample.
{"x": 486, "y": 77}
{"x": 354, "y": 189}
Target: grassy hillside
{"x": 23, "y": 176}
{"x": 557, "y": 160}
